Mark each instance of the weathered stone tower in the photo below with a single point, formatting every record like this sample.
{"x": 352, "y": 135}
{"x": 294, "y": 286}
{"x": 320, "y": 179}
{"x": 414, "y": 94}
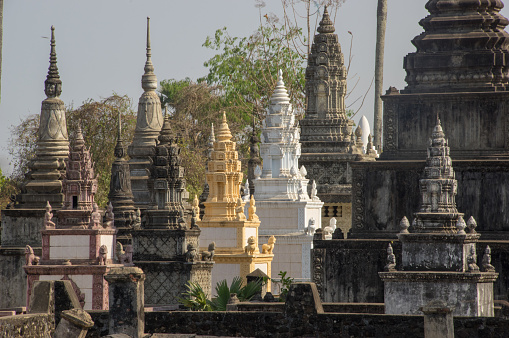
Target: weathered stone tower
{"x": 21, "y": 224}
{"x": 224, "y": 221}
{"x": 328, "y": 140}
{"x": 44, "y": 180}
{"x": 459, "y": 71}
{"x": 148, "y": 126}
{"x": 281, "y": 192}
{"x": 439, "y": 259}
{"x": 79, "y": 246}
{"x": 120, "y": 195}
{"x": 160, "y": 243}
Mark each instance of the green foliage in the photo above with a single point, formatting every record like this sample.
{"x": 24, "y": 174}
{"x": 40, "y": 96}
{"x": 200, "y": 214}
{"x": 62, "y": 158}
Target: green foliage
{"x": 246, "y": 69}
{"x": 170, "y": 91}
{"x": 8, "y": 187}
{"x": 244, "y": 293}
{"x": 285, "y": 285}
{"x": 195, "y": 298}
{"x": 98, "y": 120}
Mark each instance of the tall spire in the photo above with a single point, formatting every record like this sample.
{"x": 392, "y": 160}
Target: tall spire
{"x": 149, "y": 79}
{"x": 148, "y": 125}
{"x": 53, "y": 84}
{"x": 44, "y": 180}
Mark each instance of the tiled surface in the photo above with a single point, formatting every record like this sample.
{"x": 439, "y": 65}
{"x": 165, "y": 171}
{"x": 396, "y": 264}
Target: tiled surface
{"x": 261, "y": 266}
{"x": 69, "y": 247}
{"x": 224, "y": 237}
{"x": 248, "y": 232}
{"x": 108, "y": 241}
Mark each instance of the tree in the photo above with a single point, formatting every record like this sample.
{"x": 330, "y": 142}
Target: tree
{"x": 381, "y": 22}
{"x": 98, "y": 120}
{"x": 246, "y": 69}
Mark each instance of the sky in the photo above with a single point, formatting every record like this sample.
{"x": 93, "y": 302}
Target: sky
{"x": 100, "y": 46}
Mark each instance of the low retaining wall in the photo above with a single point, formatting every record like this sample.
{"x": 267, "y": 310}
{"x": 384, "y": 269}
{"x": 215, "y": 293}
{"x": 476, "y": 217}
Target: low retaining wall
{"x": 28, "y": 326}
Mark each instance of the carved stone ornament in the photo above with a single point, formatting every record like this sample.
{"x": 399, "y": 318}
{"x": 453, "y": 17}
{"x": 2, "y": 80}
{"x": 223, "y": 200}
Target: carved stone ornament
{"x": 251, "y": 246}
{"x": 30, "y": 257}
{"x": 460, "y": 225}
{"x": 267, "y": 248}
{"x": 208, "y": 255}
{"x": 48, "y": 216}
{"x": 391, "y": 260}
{"x": 486, "y": 261}
{"x": 471, "y": 225}
{"x": 404, "y": 225}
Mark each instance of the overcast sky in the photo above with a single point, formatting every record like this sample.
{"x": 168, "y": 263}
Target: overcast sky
{"x": 101, "y": 46}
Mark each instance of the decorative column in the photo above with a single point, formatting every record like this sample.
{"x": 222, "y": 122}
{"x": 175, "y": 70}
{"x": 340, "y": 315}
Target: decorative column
{"x": 148, "y": 126}
{"x": 121, "y": 195}
{"x": 126, "y": 313}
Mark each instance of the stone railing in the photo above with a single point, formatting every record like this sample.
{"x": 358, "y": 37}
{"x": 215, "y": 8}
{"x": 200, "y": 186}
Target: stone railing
{"x": 30, "y": 325}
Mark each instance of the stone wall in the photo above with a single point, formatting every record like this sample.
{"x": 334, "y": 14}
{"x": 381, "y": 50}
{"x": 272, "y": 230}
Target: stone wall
{"x": 266, "y": 324}
{"x": 28, "y": 326}
{"x": 13, "y": 279}
{"x": 347, "y": 270}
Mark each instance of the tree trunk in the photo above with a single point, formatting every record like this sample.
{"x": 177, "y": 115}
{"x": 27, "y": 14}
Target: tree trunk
{"x": 381, "y": 21}
{"x": 1, "y": 33}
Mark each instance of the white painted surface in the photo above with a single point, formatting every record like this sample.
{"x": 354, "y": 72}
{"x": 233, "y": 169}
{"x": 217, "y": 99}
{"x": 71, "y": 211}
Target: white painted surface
{"x": 108, "y": 240}
{"x": 224, "y": 271}
{"x": 224, "y": 237}
{"x": 84, "y": 282}
{"x": 69, "y": 247}
{"x": 248, "y": 232}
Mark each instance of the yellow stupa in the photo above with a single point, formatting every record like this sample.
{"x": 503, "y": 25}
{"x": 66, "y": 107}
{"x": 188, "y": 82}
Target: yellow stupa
{"x": 237, "y": 250}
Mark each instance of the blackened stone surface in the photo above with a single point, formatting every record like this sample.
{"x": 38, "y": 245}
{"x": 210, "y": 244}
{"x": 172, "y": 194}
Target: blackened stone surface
{"x": 126, "y": 313}
{"x": 476, "y": 124}
{"x": 385, "y": 191}
{"x": 13, "y": 279}
{"x": 53, "y": 297}
{"x": 348, "y": 269}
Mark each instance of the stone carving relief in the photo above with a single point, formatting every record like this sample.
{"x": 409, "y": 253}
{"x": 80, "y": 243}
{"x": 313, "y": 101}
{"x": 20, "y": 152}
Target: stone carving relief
{"x": 209, "y": 254}
{"x": 48, "y": 216}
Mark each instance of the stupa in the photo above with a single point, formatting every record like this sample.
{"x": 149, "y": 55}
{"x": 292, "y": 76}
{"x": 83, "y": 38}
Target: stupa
{"x": 284, "y": 206}
{"x": 44, "y": 180}
{"x": 165, "y": 245}
{"x": 148, "y": 126}
{"x": 77, "y": 244}
{"x": 224, "y": 222}
{"x": 120, "y": 195}
{"x": 329, "y": 141}
{"x": 439, "y": 259}
{"x": 21, "y": 222}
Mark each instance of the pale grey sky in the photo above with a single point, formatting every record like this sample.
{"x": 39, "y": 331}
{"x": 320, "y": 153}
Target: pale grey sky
{"x": 101, "y": 46}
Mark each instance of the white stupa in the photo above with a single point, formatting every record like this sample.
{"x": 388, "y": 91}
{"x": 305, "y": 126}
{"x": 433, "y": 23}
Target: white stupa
{"x": 284, "y": 206}
{"x": 364, "y": 125}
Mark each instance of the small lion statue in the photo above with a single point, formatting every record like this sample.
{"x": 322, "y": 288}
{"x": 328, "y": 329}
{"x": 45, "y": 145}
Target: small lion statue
{"x": 103, "y": 254}
{"x": 251, "y": 246}
{"x": 191, "y": 253}
{"x": 30, "y": 257}
{"x": 267, "y": 248}
{"x": 209, "y": 255}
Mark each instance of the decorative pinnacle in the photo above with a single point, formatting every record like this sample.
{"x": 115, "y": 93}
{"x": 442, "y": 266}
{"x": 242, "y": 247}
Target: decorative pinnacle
{"x": 53, "y": 84}
{"x": 404, "y": 225}
{"x": 280, "y": 95}
{"x": 460, "y": 225}
{"x": 212, "y": 137}
{"x": 223, "y": 133}
{"x": 79, "y": 142}
{"x": 326, "y": 25}
{"x": 166, "y": 135}
{"x": 149, "y": 80}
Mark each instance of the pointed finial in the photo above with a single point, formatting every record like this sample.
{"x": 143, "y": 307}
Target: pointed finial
{"x": 53, "y": 84}
{"x": 119, "y": 130}
{"x": 280, "y": 95}
{"x": 460, "y": 225}
{"x": 326, "y": 25}
{"x": 212, "y": 134}
{"x": 149, "y": 79}
{"x": 223, "y": 132}
{"x": 471, "y": 225}
{"x": 79, "y": 141}
{"x": 404, "y": 225}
